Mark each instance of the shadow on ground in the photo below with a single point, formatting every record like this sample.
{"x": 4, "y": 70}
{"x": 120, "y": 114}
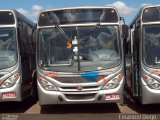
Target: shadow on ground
{"x": 82, "y": 109}
{"x": 16, "y": 107}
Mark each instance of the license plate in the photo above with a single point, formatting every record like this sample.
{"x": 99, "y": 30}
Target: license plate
{"x": 112, "y": 96}
{"x": 8, "y": 95}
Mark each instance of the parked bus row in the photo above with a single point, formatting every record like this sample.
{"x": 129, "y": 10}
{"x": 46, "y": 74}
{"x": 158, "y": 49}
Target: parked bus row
{"x": 77, "y": 55}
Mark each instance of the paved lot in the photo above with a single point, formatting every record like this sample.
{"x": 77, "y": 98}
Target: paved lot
{"x": 27, "y": 110}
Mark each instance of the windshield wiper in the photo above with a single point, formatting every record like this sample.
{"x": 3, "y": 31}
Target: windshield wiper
{"x": 84, "y": 39}
{"x": 66, "y": 36}
{"x": 62, "y": 32}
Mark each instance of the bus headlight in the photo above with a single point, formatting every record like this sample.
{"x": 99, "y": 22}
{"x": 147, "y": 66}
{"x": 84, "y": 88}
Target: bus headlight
{"x": 10, "y": 81}
{"x": 151, "y": 83}
{"x": 156, "y": 86}
{"x": 46, "y": 84}
{"x": 113, "y": 83}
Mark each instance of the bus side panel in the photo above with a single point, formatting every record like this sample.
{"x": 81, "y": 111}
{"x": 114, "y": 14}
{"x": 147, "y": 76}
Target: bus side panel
{"x": 24, "y": 40}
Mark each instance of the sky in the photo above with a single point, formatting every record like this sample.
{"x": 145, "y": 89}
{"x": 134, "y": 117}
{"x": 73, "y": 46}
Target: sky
{"x": 30, "y": 8}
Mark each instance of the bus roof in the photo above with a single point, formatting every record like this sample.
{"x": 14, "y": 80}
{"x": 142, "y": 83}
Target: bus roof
{"x": 139, "y": 14}
{"x": 59, "y": 15}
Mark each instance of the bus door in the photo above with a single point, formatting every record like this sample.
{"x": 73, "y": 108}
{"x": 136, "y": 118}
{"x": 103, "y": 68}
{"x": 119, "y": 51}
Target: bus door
{"x": 134, "y": 64}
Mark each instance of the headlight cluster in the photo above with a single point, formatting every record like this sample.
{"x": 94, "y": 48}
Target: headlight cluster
{"x": 113, "y": 83}
{"x": 46, "y": 84}
{"x": 10, "y": 81}
{"x": 152, "y": 83}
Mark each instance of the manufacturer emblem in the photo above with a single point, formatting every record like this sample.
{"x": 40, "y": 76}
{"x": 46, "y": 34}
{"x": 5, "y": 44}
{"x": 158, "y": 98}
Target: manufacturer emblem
{"x": 79, "y": 87}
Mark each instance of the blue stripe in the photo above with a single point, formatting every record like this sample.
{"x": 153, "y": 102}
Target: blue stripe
{"x": 90, "y": 76}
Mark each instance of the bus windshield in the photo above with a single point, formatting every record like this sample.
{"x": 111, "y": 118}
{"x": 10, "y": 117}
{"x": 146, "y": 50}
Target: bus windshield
{"x": 73, "y": 16}
{"x": 8, "y": 55}
{"x": 151, "y": 40}
{"x": 98, "y": 50}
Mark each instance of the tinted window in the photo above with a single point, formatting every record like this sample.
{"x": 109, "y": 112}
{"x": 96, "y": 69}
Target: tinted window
{"x": 6, "y": 18}
{"x": 71, "y": 16}
{"x": 151, "y": 14}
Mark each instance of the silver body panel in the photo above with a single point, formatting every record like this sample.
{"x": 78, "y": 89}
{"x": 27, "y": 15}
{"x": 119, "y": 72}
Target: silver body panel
{"x": 150, "y": 96}
{"x": 16, "y": 88}
{"x": 67, "y": 93}
{"x": 145, "y": 94}
{"x": 52, "y": 97}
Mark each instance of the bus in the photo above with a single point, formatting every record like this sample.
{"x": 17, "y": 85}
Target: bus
{"x": 80, "y": 56}
{"x": 17, "y": 56}
{"x": 145, "y": 55}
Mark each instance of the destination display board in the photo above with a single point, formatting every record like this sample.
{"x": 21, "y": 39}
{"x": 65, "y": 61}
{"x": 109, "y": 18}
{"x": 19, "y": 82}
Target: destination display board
{"x": 77, "y": 16}
{"x": 6, "y": 18}
{"x": 151, "y": 14}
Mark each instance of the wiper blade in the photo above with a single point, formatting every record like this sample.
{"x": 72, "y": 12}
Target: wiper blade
{"x": 66, "y": 36}
{"x": 62, "y": 32}
{"x": 83, "y": 40}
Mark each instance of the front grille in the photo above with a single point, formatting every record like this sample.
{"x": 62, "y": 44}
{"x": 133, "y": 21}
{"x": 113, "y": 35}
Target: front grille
{"x": 80, "y": 79}
{"x": 80, "y": 96}
{"x": 70, "y": 79}
{"x": 83, "y": 88}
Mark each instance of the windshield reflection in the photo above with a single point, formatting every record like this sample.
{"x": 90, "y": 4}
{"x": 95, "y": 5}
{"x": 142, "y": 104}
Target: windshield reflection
{"x": 100, "y": 49}
{"x": 152, "y": 45}
{"x": 8, "y": 54}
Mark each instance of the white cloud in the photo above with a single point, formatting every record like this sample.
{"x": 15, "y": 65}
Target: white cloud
{"x": 123, "y": 8}
{"x": 23, "y": 11}
{"x": 33, "y": 13}
{"x": 36, "y": 9}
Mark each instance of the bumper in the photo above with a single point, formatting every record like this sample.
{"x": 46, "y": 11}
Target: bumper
{"x": 11, "y": 94}
{"x": 102, "y": 96}
{"x": 150, "y": 96}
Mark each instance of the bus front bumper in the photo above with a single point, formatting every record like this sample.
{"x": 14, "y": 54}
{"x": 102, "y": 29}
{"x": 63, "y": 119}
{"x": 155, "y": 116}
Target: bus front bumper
{"x": 150, "y": 96}
{"x": 11, "y": 94}
{"x": 102, "y": 96}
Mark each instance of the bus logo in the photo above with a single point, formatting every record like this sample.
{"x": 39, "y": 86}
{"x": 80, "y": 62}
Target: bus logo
{"x": 79, "y": 87}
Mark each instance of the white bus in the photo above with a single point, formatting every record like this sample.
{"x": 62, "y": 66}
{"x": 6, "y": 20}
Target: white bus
{"x": 80, "y": 56}
{"x": 145, "y": 52}
{"x": 17, "y": 56}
